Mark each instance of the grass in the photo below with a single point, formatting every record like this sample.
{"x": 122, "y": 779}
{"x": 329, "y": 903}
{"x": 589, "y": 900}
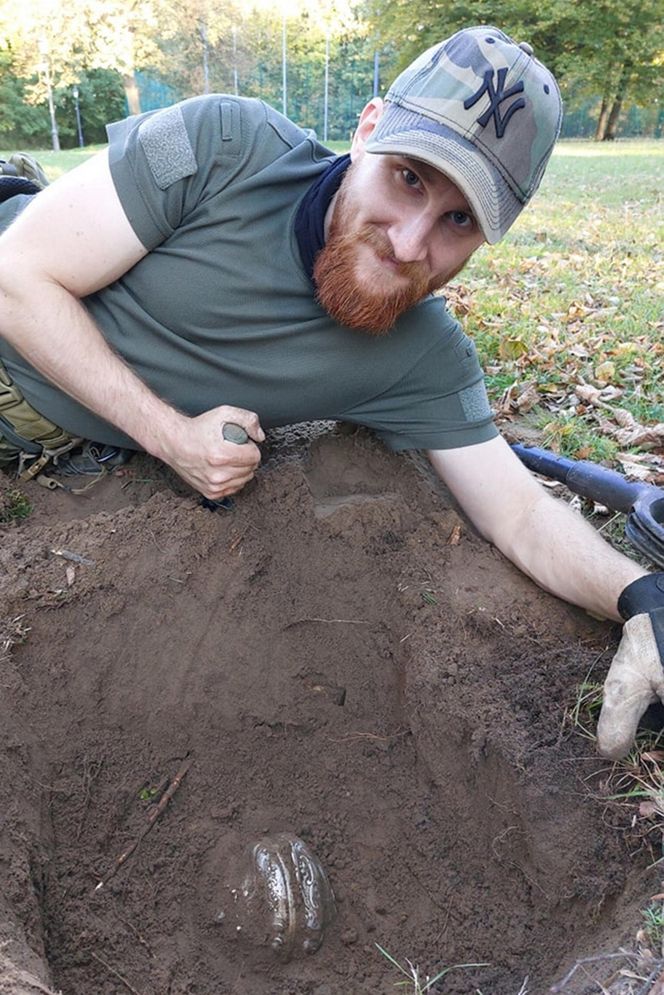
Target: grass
{"x": 634, "y": 784}
{"x": 13, "y": 632}
{"x": 14, "y": 506}
{"x": 573, "y": 295}
{"x": 56, "y": 163}
{"x": 414, "y": 983}
{"x": 653, "y": 924}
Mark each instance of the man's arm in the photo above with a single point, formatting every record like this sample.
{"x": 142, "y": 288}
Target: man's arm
{"x": 566, "y": 556}
{"x": 73, "y": 239}
{"x": 545, "y": 538}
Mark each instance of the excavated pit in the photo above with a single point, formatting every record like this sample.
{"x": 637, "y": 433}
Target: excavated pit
{"x": 342, "y": 660}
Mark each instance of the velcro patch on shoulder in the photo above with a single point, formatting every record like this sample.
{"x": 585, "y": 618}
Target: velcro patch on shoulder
{"x": 474, "y": 402}
{"x": 167, "y": 148}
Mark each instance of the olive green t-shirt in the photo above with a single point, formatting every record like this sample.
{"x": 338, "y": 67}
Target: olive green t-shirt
{"x": 221, "y": 311}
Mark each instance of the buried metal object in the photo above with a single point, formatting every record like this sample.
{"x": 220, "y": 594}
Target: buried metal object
{"x": 279, "y": 896}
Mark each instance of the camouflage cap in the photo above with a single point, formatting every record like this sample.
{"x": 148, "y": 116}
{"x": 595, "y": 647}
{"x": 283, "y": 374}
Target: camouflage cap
{"x": 482, "y": 110}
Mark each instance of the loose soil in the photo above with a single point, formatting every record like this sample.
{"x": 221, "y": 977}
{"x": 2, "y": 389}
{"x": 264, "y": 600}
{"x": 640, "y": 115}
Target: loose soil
{"x": 344, "y": 660}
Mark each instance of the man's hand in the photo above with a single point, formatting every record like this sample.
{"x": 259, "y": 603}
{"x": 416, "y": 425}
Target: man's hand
{"x": 195, "y": 448}
{"x": 636, "y": 676}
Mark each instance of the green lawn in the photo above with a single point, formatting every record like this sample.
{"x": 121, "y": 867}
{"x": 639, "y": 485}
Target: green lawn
{"x": 576, "y": 290}
{"x": 57, "y": 163}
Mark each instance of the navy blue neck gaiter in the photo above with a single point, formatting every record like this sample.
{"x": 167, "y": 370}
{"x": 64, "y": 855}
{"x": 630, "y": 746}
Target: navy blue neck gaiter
{"x": 310, "y": 217}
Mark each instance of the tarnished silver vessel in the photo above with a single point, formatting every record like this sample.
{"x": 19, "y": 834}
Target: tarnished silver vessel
{"x": 278, "y": 895}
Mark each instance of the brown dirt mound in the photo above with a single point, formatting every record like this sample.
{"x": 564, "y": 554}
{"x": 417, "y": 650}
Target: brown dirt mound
{"x": 343, "y": 660}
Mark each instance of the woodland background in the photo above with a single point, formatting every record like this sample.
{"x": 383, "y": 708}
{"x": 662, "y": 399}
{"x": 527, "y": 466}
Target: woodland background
{"x": 67, "y": 68}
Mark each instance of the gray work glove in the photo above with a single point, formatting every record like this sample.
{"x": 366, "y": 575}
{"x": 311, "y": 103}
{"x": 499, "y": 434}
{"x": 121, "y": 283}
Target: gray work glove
{"x": 636, "y": 675}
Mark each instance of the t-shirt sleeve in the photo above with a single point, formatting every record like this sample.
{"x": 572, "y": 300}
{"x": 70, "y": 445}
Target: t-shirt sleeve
{"x": 165, "y": 163}
{"x": 440, "y": 401}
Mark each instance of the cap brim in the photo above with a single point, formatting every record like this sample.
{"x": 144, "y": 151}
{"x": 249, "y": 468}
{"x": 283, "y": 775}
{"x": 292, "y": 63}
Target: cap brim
{"x": 492, "y": 201}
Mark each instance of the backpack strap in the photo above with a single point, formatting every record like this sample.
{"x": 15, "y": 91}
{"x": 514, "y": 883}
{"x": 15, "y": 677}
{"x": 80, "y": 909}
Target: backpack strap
{"x": 12, "y": 185}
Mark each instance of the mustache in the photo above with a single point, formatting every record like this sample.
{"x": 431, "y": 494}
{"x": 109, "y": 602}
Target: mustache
{"x": 379, "y": 241}
{"x": 353, "y": 304}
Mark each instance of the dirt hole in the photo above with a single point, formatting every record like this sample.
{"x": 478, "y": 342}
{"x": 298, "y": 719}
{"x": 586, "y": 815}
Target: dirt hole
{"x": 343, "y": 660}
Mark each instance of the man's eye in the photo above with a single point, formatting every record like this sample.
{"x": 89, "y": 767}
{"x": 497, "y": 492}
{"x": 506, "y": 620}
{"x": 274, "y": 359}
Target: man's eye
{"x": 461, "y": 219}
{"x": 410, "y": 178}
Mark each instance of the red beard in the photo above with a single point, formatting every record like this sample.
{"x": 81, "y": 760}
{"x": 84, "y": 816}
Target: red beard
{"x": 351, "y": 302}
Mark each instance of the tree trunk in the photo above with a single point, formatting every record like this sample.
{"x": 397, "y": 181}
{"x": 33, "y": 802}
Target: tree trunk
{"x": 131, "y": 93}
{"x": 612, "y": 123}
{"x": 600, "y": 131}
{"x": 616, "y": 106}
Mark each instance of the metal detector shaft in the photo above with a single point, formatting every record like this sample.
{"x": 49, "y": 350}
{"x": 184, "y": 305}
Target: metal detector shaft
{"x": 642, "y": 503}
{"x": 587, "y": 479}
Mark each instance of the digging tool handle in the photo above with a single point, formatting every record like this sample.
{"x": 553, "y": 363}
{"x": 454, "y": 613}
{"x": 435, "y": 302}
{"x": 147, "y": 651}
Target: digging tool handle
{"x": 587, "y": 479}
{"x": 234, "y": 433}
{"x": 231, "y": 432}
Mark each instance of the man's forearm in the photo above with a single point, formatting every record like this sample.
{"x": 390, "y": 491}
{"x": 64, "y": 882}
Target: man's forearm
{"x": 55, "y": 333}
{"x": 543, "y": 536}
{"x": 565, "y": 555}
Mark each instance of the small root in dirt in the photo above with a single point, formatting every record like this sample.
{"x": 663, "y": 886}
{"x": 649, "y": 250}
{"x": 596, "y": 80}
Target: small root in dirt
{"x": 561, "y": 985}
{"x": 91, "y": 771}
{"x": 329, "y": 621}
{"x": 116, "y": 974}
{"x": 153, "y": 815}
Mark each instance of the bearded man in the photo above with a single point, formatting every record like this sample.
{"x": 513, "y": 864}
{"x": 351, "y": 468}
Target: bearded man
{"x": 218, "y": 265}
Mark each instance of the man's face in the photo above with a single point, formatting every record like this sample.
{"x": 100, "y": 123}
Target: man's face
{"x": 399, "y": 229}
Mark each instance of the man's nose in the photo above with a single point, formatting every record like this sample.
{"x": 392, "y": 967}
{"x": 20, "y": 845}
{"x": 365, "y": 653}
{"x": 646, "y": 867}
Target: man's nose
{"x": 410, "y": 238}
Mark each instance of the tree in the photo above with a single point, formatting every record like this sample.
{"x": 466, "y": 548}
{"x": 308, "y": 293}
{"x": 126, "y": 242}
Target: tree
{"x": 20, "y": 123}
{"x": 612, "y": 49}
{"x": 123, "y": 35}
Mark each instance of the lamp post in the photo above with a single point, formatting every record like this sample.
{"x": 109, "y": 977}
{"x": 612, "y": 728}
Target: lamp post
{"x": 284, "y": 70}
{"x": 235, "y": 76}
{"x": 79, "y": 125}
{"x": 202, "y": 29}
{"x": 326, "y": 88}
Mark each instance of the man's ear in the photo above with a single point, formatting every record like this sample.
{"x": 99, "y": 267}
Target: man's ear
{"x": 369, "y": 118}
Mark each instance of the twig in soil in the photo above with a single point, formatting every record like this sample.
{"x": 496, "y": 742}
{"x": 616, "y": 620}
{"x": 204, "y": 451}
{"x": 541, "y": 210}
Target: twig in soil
{"x": 116, "y": 974}
{"x": 587, "y": 960}
{"x": 354, "y": 736}
{"x": 141, "y": 939}
{"x": 91, "y": 771}
{"x": 345, "y": 621}
{"x": 501, "y": 837}
{"x": 152, "y": 817}
{"x": 66, "y": 554}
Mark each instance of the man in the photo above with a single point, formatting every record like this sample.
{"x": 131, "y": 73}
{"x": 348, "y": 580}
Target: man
{"x": 216, "y": 253}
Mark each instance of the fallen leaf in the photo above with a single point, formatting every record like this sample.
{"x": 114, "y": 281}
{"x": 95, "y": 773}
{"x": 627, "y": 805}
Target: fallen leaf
{"x": 454, "y": 537}
{"x": 605, "y": 371}
{"x": 635, "y": 471}
{"x": 625, "y": 418}
{"x": 506, "y": 402}
{"x": 512, "y": 348}
{"x": 528, "y": 398}
{"x": 587, "y": 393}
{"x": 70, "y": 573}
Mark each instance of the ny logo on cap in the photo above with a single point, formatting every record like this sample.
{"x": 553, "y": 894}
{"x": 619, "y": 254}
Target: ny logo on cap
{"x": 496, "y": 97}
